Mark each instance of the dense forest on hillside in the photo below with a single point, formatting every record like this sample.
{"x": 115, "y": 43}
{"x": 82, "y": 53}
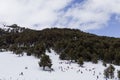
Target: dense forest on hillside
{"x": 70, "y": 44}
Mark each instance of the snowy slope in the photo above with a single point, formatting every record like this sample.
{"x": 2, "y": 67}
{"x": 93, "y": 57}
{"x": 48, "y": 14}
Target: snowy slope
{"x": 11, "y": 28}
{"x": 5, "y": 28}
{"x": 11, "y": 67}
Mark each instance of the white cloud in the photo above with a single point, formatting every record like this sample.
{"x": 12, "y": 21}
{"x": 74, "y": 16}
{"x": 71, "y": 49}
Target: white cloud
{"x": 90, "y": 14}
{"x": 30, "y": 12}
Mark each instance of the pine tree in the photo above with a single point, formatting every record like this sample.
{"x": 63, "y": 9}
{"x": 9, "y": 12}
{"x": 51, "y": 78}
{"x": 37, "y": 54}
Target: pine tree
{"x": 117, "y": 58}
{"x": 104, "y": 64}
{"x": 19, "y": 52}
{"x": 94, "y": 58}
{"x": 45, "y": 61}
{"x": 109, "y": 72}
{"x": 13, "y": 48}
{"x": 29, "y": 51}
{"x": 62, "y": 56}
{"x": 80, "y": 61}
{"x": 118, "y": 74}
{"x": 106, "y": 73}
{"x": 39, "y": 49}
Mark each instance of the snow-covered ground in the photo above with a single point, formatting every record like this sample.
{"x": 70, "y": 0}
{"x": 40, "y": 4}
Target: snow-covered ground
{"x": 11, "y": 67}
{"x": 5, "y": 28}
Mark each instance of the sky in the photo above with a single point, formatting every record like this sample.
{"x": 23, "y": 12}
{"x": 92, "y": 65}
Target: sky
{"x": 93, "y": 16}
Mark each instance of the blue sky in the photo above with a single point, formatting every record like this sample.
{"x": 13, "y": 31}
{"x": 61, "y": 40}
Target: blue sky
{"x": 94, "y": 16}
{"x": 112, "y": 29}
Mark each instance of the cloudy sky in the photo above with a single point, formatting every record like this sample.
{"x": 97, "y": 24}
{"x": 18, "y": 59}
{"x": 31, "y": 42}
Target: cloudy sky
{"x": 101, "y": 17}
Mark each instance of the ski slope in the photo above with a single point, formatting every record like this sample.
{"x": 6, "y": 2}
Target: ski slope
{"x": 11, "y": 67}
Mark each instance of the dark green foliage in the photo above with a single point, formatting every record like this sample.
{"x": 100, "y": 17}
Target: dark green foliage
{"x": 71, "y": 44}
{"x": 19, "y": 52}
{"x": 29, "y": 51}
{"x": 13, "y": 48}
{"x": 80, "y": 61}
{"x": 94, "y": 58}
{"x": 45, "y": 61}
{"x": 62, "y": 56}
{"x": 109, "y": 72}
{"x": 104, "y": 64}
{"x": 86, "y": 55}
{"x": 117, "y": 58}
{"x": 39, "y": 49}
{"x": 106, "y": 73}
{"x": 118, "y": 74}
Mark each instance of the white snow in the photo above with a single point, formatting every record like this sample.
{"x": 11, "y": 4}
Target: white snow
{"x": 9, "y": 29}
{"x": 5, "y": 28}
{"x": 11, "y": 67}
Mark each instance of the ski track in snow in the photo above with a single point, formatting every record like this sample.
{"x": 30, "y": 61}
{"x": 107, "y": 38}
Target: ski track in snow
{"x": 11, "y": 67}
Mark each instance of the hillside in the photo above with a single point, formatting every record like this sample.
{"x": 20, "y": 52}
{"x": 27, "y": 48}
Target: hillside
{"x": 70, "y": 44}
{"x": 84, "y": 53}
